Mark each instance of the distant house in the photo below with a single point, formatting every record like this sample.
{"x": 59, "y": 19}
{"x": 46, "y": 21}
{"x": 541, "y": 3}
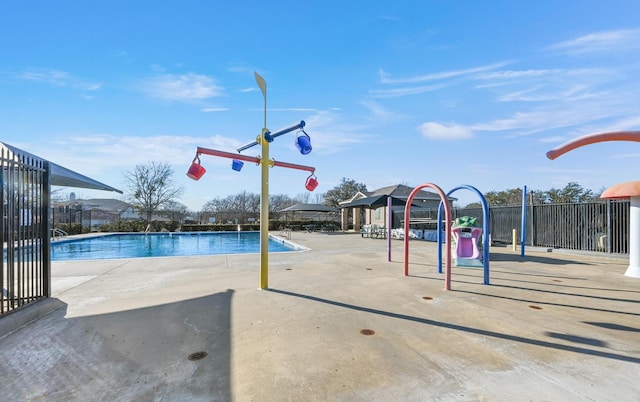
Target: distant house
{"x": 93, "y": 212}
{"x": 354, "y": 217}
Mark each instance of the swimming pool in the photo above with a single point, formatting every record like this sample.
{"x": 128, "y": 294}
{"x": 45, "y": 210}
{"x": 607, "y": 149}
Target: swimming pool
{"x": 135, "y": 245}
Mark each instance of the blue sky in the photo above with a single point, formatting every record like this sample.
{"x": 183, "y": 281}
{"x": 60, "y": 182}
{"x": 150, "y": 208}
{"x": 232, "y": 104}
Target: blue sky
{"x": 445, "y": 92}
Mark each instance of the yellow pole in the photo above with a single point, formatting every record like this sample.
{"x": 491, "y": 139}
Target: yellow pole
{"x": 264, "y": 193}
{"x": 514, "y": 238}
{"x": 264, "y": 215}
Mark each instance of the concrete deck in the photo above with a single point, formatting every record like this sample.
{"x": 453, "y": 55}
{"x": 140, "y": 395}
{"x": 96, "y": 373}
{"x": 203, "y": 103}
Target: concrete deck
{"x": 551, "y": 327}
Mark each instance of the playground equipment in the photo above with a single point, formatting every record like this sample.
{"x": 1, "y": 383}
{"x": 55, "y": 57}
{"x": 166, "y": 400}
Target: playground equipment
{"x": 486, "y": 242}
{"x": 466, "y": 232}
{"x": 444, "y": 205}
{"x": 303, "y": 143}
{"x": 625, "y": 190}
{"x": 447, "y": 211}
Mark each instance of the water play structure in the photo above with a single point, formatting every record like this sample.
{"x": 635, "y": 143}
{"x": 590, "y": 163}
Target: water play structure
{"x": 302, "y": 142}
{"x": 466, "y": 233}
{"x": 486, "y": 235}
{"x": 447, "y": 211}
{"x": 630, "y": 190}
{"x": 465, "y": 251}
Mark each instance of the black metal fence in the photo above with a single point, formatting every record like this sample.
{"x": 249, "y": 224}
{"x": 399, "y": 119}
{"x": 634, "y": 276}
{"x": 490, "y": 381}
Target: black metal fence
{"x": 25, "y": 274}
{"x": 592, "y": 226}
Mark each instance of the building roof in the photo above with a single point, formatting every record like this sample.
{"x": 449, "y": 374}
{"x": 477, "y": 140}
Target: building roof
{"x": 300, "y": 207}
{"x": 398, "y": 191}
{"x": 105, "y": 204}
{"x": 60, "y": 175}
{"x": 402, "y": 191}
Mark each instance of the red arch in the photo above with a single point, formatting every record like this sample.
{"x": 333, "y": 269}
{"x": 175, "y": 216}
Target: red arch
{"x": 592, "y": 139}
{"x": 447, "y": 213}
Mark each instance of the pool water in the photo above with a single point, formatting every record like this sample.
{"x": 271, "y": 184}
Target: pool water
{"x": 135, "y": 245}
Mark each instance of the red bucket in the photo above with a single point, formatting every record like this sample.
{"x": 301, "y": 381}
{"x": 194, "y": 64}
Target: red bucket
{"x": 196, "y": 171}
{"x": 311, "y": 183}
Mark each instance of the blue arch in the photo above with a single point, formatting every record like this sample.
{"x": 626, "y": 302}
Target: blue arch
{"x": 485, "y": 228}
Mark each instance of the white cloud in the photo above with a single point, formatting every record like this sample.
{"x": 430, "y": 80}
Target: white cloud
{"x": 536, "y": 94}
{"x": 330, "y": 134}
{"x": 384, "y": 77}
{"x": 58, "y": 78}
{"x": 184, "y": 87}
{"x": 511, "y": 74}
{"x": 392, "y": 93}
{"x": 377, "y": 110}
{"x": 290, "y": 109}
{"x": 438, "y": 131}
{"x": 599, "y": 42}
{"x": 109, "y": 151}
{"x": 215, "y": 109}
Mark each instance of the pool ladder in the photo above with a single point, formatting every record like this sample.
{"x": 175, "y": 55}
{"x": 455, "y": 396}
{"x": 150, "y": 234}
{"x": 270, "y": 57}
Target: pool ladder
{"x": 58, "y": 233}
{"x": 286, "y": 233}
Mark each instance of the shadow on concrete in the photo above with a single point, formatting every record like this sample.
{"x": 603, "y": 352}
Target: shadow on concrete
{"x": 539, "y": 275}
{"x": 577, "y": 339}
{"x": 456, "y": 275}
{"x": 555, "y": 304}
{"x": 533, "y": 258}
{"x": 175, "y": 351}
{"x": 558, "y": 283}
{"x": 457, "y": 327}
{"x": 546, "y": 291}
{"x": 616, "y": 327}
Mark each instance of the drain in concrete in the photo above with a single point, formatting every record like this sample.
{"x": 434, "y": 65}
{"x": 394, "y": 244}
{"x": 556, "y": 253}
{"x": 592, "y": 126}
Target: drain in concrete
{"x": 197, "y": 356}
{"x": 535, "y": 307}
{"x": 367, "y": 332}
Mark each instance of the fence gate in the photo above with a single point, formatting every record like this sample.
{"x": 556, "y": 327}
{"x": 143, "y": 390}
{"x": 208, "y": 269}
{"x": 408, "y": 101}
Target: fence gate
{"x": 26, "y": 268}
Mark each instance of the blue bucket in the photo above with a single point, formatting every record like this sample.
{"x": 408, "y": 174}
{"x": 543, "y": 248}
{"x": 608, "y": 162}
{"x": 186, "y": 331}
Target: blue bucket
{"x": 303, "y": 142}
{"x": 237, "y": 165}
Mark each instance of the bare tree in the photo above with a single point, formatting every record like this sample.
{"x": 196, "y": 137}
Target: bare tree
{"x": 319, "y": 198}
{"x": 151, "y": 186}
{"x": 175, "y": 210}
{"x": 303, "y": 198}
{"x": 278, "y": 202}
{"x": 239, "y": 206}
{"x": 246, "y": 204}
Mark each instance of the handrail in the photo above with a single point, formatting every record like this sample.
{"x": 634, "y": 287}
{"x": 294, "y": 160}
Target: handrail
{"x": 286, "y": 233}
{"x": 56, "y": 232}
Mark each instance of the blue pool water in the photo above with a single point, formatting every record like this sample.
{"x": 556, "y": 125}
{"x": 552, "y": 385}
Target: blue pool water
{"x": 136, "y": 245}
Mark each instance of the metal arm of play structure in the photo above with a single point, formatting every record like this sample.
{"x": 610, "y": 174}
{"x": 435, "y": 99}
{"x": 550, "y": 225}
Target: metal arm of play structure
{"x": 622, "y": 190}
{"x": 269, "y": 136}
{"x": 592, "y": 139}
{"x": 256, "y": 160}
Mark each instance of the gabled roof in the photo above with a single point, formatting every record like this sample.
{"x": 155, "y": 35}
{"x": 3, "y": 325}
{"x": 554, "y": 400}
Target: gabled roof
{"x": 402, "y": 191}
{"x": 356, "y": 196}
{"x": 61, "y": 176}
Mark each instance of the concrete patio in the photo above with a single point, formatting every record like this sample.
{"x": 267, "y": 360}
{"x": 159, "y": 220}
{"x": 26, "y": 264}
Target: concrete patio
{"x": 339, "y": 323}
